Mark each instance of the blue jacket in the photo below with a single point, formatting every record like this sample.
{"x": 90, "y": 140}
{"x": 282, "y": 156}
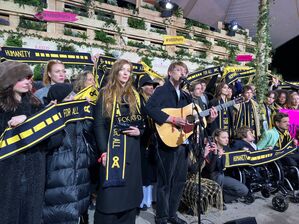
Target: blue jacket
{"x": 269, "y": 138}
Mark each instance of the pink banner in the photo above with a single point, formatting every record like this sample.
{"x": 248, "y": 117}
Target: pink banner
{"x": 294, "y": 121}
{"x": 52, "y": 16}
{"x": 244, "y": 57}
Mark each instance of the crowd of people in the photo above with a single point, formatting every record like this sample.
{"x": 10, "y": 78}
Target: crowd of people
{"x": 118, "y": 159}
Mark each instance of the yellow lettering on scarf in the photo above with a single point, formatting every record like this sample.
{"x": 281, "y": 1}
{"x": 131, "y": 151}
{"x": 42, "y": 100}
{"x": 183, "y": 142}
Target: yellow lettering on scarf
{"x": 75, "y": 110}
{"x": 86, "y": 109}
{"x": 115, "y": 143}
{"x": 67, "y": 112}
{"x": 115, "y": 132}
{"x": 115, "y": 162}
{"x": 20, "y": 54}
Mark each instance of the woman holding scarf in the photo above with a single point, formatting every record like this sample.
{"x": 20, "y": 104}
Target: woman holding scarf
{"x": 22, "y": 175}
{"x": 117, "y": 129}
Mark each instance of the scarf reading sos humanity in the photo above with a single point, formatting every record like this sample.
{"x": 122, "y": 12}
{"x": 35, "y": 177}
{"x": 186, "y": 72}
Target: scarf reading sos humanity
{"x": 117, "y": 144}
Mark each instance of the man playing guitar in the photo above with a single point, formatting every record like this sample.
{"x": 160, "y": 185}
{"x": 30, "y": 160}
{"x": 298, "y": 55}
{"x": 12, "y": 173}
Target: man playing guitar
{"x": 172, "y": 162}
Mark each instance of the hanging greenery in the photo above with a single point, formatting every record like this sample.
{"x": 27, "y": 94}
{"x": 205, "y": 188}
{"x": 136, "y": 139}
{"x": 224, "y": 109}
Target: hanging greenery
{"x": 190, "y": 23}
{"x": 69, "y": 32}
{"x": 103, "y": 37}
{"x": 33, "y": 25}
{"x": 263, "y": 50}
{"x": 250, "y": 50}
{"x": 136, "y": 44}
{"x": 147, "y": 61}
{"x": 179, "y": 12}
{"x": 14, "y": 40}
{"x": 39, "y": 4}
{"x": 150, "y": 7}
{"x": 203, "y": 40}
{"x": 136, "y": 23}
{"x": 38, "y": 72}
{"x": 66, "y": 47}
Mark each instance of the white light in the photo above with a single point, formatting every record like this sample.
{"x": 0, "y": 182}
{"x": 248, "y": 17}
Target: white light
{"x": 169, "y": 5}
{"x": 235, "y": 27}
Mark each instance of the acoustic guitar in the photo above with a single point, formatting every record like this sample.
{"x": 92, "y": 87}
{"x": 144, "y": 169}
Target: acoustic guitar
{"x": 174, "y": 136}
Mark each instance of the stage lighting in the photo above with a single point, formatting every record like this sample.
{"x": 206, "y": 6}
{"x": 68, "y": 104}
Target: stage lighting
{"x": 166, "y": 7}
{"x": 232, "y": 27}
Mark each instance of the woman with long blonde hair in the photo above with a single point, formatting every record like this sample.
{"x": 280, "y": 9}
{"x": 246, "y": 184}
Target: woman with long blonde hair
{"x": 117, "y": 125}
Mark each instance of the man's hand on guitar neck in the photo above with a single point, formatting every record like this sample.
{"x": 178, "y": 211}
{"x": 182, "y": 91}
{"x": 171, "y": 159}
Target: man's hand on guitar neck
{"x": 177, "y": 121}
{"x": 213, "y": 115}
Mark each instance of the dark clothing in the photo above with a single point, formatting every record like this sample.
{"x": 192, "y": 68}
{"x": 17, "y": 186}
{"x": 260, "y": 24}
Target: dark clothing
{"x": 223, "y": 120}
{"x": 67, "y": 192}
{"x": 240, "y": 145}
{"x": 148, "y": 148}
{"x": 171, "y": 178}
{"x": 232, "y": 188}
{"x": 119, "y": 198}
{"x": 126, "y": 217}
{"x": 22, "y": 176}
{"x": 172, "y": 162}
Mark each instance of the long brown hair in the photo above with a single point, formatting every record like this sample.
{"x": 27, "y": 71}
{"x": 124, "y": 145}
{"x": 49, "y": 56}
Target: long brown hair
{"x": 46, "y": 77}
{"x": 113, "y": 87}
{"x": 8, "y": 101}
{"x": 219, "y": 90}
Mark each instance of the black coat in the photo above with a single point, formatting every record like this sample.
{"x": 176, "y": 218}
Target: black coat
{"x": 148, "y": 148}
{"x": 120, "y": 198}
{"x": 22, "y": 177}
{"x": 241, "y": 145}
{"x": 67, "y": 191}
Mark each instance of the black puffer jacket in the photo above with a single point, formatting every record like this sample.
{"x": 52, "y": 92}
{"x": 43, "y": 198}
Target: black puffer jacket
{"x": 68, "y": 181}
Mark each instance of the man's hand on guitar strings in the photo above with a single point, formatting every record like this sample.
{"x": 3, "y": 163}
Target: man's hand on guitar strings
{"x": 177, "y": 121}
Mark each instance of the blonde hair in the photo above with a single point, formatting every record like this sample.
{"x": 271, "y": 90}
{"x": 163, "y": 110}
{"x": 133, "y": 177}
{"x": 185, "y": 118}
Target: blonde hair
{"x": 114, "y": 87}
{"x": 80, "y": 81}
{"x": 46, "y": 77}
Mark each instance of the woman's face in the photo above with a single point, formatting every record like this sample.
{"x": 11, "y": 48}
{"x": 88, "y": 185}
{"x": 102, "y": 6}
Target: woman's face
{"x": 57, "y": 73}
{"x": 222, "y": 139}
{"x": 282, "y": 98}
{"x": 89, "y": 80}
{"x": 224, "y": 90}
{"x": 124, "y": 74}
{"x": 271, "y": 99}
{"x": 148, "y": 89}
{"x": 295, "y": 100}
{"x": 23, "y": 85}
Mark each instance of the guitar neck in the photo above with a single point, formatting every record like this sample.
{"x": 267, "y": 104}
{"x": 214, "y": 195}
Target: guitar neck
{"x": 219, "y": 107}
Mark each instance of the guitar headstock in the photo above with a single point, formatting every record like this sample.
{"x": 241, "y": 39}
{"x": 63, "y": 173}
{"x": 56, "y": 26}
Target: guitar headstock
{"x": 239, "y": 99}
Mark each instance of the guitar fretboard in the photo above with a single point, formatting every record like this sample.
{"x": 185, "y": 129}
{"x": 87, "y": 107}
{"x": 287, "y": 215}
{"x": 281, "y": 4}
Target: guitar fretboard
{"x": 218, "y": 108}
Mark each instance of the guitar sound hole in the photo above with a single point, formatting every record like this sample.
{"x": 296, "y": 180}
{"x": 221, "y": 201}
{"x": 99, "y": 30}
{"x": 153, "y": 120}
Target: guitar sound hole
{"x": 190, "y": 119}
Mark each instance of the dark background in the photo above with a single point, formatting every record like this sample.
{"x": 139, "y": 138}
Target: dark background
{"x": 286, "y": 60}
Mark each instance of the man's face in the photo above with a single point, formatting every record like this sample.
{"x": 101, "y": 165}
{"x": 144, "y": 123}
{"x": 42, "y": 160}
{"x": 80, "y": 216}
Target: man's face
{"x": 249, "y": 137}
{"x": 248, "y": 94}
{"x": 177, "y": 73}
{"x": 283, "y": 124}
{"x": 197, "y": 92}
